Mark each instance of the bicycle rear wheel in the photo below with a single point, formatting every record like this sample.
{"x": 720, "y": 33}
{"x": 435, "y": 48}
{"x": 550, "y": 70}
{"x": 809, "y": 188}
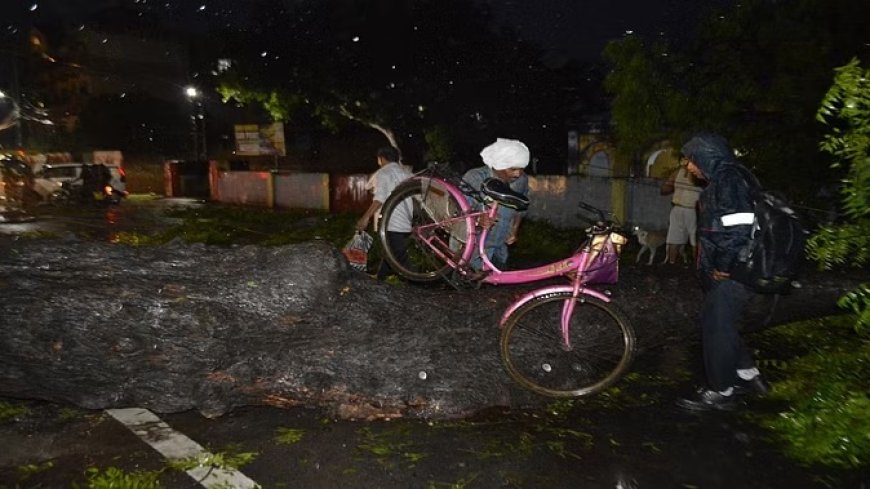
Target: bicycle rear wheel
{"x": 434, "y": 215}
{"x": 534, "y": 354}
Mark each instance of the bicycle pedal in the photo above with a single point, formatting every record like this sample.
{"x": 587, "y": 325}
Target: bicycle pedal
{"x": 462, "y": 282}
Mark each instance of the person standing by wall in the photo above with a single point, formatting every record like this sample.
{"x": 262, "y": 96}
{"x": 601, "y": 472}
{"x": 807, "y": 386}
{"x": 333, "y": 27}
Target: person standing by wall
{"x": 726, "y": 217}
{"x": 389, "y": 175}
{"x": 683, "y": 220}
{"x": 504, "y": 159}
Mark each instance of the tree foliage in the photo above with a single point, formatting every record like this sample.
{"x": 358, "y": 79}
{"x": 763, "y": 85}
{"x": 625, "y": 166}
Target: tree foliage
{"x": 845, "y": 110}
{"x": 424, "y": 71}
{"x": 754, "y": 73}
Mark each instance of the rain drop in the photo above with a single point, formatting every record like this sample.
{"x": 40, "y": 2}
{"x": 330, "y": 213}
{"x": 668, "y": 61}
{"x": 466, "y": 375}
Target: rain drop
{"x": 34, "y": 7}
{"x": 546, "y": 367}
{"x": 422, "y": 375}
{"x": 201, "y": 8}
{"x": 355, "y": 38}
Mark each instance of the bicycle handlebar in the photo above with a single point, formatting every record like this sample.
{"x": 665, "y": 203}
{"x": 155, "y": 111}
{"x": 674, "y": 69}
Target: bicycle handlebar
{"x": 591, "y": 208}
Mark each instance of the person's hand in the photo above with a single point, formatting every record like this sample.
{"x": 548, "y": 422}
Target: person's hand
{"x": 486, "y": 222}
{"x": 719, "y": 276}
{"x": 362, "y": 224}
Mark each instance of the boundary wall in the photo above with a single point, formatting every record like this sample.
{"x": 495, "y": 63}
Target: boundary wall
{"x": 554, "y": 198}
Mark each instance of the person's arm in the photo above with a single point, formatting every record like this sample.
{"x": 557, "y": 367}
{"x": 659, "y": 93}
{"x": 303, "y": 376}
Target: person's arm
{"x": 522, "y": 188}
{"x": 668, "y": 187}
{"x": 363, "y": 221}
{"x": 733, "y": 225}
{"x": 515, "y": 228}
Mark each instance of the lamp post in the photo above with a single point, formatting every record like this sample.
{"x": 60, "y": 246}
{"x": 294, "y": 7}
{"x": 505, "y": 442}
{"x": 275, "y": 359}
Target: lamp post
{"x": 197, "y": 123}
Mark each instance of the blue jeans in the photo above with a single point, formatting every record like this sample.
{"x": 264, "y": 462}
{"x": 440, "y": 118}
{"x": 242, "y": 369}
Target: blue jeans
{"x": 724, "y": 350}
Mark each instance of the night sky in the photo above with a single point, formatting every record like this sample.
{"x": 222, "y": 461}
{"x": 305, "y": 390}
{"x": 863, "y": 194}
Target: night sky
{"x": 564, "y": 28}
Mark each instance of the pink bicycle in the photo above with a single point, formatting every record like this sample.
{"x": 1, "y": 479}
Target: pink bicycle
{"x": 560, "y": 341}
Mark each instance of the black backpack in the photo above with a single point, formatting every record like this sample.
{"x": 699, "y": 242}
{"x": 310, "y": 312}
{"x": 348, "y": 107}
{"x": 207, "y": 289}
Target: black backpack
{"x": 775, "y": 253}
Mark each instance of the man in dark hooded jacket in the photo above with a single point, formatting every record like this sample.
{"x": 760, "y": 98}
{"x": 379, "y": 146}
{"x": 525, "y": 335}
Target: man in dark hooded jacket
{"x": 724, "y": 227}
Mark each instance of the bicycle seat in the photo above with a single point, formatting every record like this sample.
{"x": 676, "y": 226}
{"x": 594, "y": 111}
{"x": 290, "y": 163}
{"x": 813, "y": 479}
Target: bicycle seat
{"x": 501, "y": 192}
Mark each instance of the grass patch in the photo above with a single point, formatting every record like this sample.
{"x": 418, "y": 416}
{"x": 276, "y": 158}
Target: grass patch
{"x": 388, "y": 445}
{"x": 539, "y": 241}
{"x": 289, "y": 436}
{"x": 218, "y": 460}
{"x": 115, "y": 478}
{"x": 10, "y": 411}
{"x": 143, "y": 197}
{"x": 226, "y": 225}
{"x": 826, "y": 383}
{"x": 68, "y": 414}
{"x": 25, "y": 471}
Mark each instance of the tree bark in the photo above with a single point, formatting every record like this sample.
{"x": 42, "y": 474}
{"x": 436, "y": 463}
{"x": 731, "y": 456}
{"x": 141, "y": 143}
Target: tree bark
{"x": 181, "y": 327}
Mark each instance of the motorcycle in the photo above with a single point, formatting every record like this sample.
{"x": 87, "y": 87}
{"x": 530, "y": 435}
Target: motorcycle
{"x": 75, "y": 192}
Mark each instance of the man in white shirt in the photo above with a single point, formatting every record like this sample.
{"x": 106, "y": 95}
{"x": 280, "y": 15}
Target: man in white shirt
{"x": 683, "y": 221}
{"x": 389, "y": 175}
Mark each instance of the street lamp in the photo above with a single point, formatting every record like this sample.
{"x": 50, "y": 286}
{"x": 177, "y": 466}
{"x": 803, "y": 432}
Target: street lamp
{"x": 197, "y": 123}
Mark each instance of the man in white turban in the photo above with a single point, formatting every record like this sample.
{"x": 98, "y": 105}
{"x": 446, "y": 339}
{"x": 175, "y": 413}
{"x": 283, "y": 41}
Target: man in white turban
{"x": 504, "y": 159}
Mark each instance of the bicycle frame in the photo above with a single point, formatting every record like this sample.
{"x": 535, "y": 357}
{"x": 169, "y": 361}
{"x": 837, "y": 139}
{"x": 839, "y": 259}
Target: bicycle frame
{"x": 578, "y": 264}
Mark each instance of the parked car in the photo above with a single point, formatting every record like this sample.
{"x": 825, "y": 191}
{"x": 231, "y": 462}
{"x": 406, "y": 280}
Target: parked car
{"x": 65, "y": 179}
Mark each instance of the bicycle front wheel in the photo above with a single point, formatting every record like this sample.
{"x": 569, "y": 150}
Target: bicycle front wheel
{"x": 439, "y": 230}
{"x": 536, "y": 357}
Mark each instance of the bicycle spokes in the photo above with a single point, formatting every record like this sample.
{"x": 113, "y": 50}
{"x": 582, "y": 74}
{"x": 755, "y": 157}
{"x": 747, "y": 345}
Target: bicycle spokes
{"x": 534, "y": 352}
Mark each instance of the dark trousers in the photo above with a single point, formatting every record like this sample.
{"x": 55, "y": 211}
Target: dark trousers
{"x": 724, "y": 350}
{"x": 397, "y": 243}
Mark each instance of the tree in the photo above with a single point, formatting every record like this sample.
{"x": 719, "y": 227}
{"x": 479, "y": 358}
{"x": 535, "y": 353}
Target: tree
{"x": 412, "y": 70}
{"x": 754, "y": 73}
{"x": 845, "y": 111}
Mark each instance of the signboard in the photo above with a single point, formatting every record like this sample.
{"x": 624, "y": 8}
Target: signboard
{"x": 264, "y": 139}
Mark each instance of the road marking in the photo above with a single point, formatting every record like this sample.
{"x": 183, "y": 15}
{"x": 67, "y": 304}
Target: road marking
{"x": 175, "y": 446}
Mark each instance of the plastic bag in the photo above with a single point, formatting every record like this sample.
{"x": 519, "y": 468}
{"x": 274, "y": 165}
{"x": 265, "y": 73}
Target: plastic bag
{"x": 357, "y": 250}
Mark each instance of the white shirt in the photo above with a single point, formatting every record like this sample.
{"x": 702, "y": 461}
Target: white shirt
{"x": 386, "y": 179}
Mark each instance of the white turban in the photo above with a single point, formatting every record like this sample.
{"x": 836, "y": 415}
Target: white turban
{"x": 505, "y": 153}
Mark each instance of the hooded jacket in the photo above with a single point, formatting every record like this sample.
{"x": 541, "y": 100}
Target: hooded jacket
{"x": 726, "y": 206}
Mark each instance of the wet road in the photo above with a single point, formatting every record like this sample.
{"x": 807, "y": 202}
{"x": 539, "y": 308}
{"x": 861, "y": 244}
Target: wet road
{"x": 630, "y": 437}
{"x": 603, "y": 443}
{"x": 99, "y": 222}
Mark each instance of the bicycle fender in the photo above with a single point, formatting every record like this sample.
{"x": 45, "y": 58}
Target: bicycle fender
{"x": 450, "y": 188}
{"x": 556, "y": 289}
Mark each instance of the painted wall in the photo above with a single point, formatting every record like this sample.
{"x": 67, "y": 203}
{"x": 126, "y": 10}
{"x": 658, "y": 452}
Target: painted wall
{"x": 302, "y": 191}
{"x": 554, "y": 198}
{"x": 632, "y": 201}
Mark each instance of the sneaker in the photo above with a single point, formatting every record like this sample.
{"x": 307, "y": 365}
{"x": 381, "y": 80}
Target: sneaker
{"x": 756, "y": 386}
{"x": 707, "y": 400}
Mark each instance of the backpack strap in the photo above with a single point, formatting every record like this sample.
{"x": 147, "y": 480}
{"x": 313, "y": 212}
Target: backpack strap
{"x": 751, "y": 180}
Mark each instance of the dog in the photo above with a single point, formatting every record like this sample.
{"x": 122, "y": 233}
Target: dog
{"x": 650, "y": 241}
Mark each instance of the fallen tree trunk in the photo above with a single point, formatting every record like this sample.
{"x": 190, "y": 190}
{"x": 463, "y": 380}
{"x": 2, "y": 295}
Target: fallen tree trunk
{"x": 182, "y": 327}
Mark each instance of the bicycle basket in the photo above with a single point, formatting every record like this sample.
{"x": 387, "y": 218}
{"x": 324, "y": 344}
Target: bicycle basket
{"x": 603, "y": 258}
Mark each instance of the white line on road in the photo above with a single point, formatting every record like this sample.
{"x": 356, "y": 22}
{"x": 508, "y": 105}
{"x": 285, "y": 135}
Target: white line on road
{"x": 175, "y": 446}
